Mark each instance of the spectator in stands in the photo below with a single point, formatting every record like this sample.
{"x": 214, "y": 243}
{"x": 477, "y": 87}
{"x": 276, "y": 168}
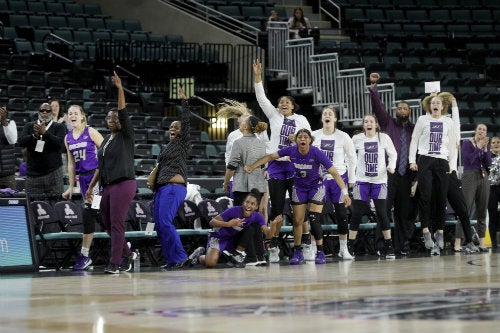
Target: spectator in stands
{"x": 494, "y": 199}
{"x": 57, "y": 112}
{"x": 8, "y": 138}
{"x": 495, "y": 146}
{"x": 24, "y": 164}
{"x": 298, "y": 24}
{"x": 308, "y": 189}
{"x": 232, "y": 234}
{"x": 455, "y": 195}
{"x": 476, "y": 159}
{"x": 171, "y": 187}
{"x": 399, "y": 183}
{"x": 274, "y": 17}
{"x": 371, "y": 180}
{"x": 59, "y": 116}
{"x": 81, "y": 143}
{"x": 43, "y": 139}
{"x": 116, "y": 175}
{"x": 339, "y": 148}
{"x": 284, "y": 122}
{"x": 434, "y": 140}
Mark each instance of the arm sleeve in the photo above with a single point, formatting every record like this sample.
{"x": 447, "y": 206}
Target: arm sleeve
{"x": 415, "y": 137}
{"x": 264, "y": 103}
{"x": 185, "y": 117}
{"x": 379, "y": 108}
{"x": 351, "y": 158}
{"x": 391, "y": 152}
{"x": 11, "y": 132}
{"x": 235, "y": 158}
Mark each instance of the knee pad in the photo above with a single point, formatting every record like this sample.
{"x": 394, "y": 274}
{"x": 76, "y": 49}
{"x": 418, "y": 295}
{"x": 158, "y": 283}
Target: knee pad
{"x": 89, "y": 217}
{"x": 314, "y": 222}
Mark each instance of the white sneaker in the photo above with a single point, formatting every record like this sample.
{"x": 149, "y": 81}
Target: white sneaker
{"x": 309, "y": 252}
{"x": 345, "y": 255}
{"x": 429, "y": 244}
{"x": 435, "y": 251}
{"x": 274, "y": 254}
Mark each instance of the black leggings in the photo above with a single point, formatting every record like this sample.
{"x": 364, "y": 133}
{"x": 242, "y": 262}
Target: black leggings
{"x": 494, "y": 224}
{"x": 277, "y": 194}
{"x": 432, "y": 179}
{"x": 358, "y": 210}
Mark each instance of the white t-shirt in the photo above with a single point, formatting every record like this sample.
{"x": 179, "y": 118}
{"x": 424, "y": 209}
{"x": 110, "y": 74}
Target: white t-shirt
{"x": 433, "y": 137}
{"x": 371, "y": 166}
{"x": 281, "y": 126}
{"x": 340, "y": 150}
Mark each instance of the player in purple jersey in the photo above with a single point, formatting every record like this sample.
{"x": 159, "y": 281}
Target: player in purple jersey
{"x": 308, "y": 189}
{"x": 81, "y": 144}
{"x": 231, "y": 233}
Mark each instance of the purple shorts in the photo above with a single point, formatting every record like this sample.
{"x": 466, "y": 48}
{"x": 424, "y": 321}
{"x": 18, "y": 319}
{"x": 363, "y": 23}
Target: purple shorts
{"x": 333, "y": 192}
{"x": 84, "y": 181}
{"x": 303, "y": 196}
{"x": 367, "y": 191}
{"x": 220, "y": 244}
{"x": 280, "y": 170}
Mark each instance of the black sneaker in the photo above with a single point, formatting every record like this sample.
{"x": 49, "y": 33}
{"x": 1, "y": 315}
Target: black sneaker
{"x": 128, "y": 263}
{"x": 235, "y": 258}
{"x": 193, "y": 257}
{"x": 112, "y": 269}
{"x": 176, "y": 266}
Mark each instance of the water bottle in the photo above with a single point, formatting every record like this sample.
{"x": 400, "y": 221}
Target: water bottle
{"x": 137, "y": 262}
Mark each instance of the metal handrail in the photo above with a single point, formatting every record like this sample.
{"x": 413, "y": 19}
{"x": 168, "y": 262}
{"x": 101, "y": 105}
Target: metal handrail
{"x": 53, "y": 52}
{"x": 325, "y": 11}
{"x": 223, "y": 21}
{"x": 135, "y": 76}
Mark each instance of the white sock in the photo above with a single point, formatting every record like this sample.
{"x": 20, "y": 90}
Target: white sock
{"x": 343, "y": 244}
{"x": 85, "y": 251}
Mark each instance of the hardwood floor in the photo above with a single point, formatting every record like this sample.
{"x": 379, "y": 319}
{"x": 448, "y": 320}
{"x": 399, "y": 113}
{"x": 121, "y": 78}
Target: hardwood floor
{"x": 450, "y": 293}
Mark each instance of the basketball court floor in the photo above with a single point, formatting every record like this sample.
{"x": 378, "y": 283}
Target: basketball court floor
{"x": 448, "y": 293}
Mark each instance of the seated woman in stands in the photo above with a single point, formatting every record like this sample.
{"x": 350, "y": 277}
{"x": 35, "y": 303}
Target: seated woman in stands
{"x": 298, "y": 24}
{"x": 233, "y": 236}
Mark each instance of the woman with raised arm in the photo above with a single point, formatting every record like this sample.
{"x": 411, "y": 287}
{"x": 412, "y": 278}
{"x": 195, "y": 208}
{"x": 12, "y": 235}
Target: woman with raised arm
{"x": 116, "y": 175}
{"x": 284, "y": 123}
{"x": 171, "y": 187}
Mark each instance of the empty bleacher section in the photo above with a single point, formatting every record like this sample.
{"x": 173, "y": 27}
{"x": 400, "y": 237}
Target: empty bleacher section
{"x": 411, "y": 42}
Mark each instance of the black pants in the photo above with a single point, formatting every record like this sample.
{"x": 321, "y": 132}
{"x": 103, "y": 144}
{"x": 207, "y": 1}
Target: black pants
{"x": 494, "y": 224}
{"x": 398, "y": 196}
{"x": 277, "y": 194}
{"x": 254, "y": 239}
{"x": 432, "y": 178}
{"x": 457, "y": 202}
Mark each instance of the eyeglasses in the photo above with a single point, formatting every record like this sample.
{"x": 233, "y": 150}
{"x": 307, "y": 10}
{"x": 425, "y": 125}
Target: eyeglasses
{"x": 45, "y": 110}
